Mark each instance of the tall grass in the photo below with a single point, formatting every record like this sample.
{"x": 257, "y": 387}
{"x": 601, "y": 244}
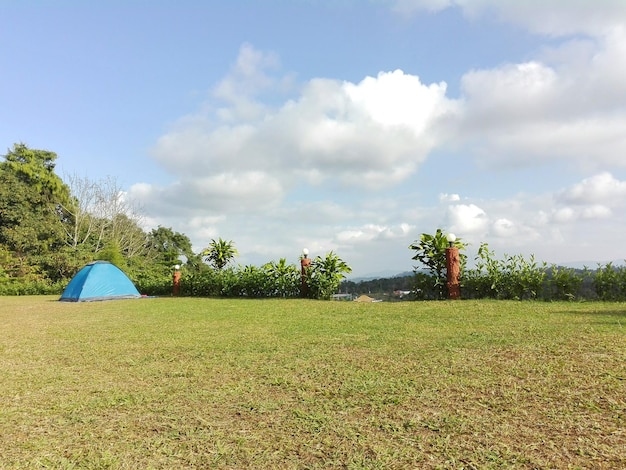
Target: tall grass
{"x": 210, "y": 383}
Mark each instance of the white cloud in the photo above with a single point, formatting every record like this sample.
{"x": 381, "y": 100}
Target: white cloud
{"x": 527, "y": 114}
{"x": 397, "y": 99}
{"x": 365, "y": 135}
{"x": 504, "y": 228}
{"x": 371, "y": 232}
{"x": 445, "y": 197}
{"x": 513, "y": 91}
{"x": 467, "y": 219}
{"x": 237, "y": 188}
{"x": 567, "y": 104}
{"x": 549, "y": 17}
{"x": 564, "y": 215}
{"x": 602, "y": 188}
{"x": 556, "y": 17}
{"x": 597, "y": 211}
{"x": 556, "y": 226}
{"x": 247, "y": 77}
{"x": 591, "y": 199}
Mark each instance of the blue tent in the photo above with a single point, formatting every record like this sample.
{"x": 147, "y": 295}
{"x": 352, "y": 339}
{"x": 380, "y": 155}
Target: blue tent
{"x": 99, "y": 280}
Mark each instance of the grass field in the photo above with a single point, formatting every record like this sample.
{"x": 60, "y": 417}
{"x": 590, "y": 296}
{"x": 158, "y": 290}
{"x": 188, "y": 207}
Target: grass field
{"x": 207, "y": 383}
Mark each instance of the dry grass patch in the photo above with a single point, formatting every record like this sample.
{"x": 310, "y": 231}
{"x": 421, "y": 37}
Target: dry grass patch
{"x": 202, "y": 383}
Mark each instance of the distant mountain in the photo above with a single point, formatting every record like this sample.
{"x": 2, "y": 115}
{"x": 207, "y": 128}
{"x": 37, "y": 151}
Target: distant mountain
{"x": 590, "y": 264}
{"x": 380, "y": 275}
{"x": 389, "y": 274}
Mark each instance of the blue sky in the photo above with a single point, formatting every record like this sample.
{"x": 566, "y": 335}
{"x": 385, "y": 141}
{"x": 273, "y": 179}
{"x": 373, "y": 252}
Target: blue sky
{"x": 350, "y": 126}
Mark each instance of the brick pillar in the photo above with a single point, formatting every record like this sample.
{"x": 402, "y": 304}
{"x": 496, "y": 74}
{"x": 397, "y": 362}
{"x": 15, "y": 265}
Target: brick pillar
{"x": 305, "y": 262}
{"x": 453, "y": 268}
{"x": 176, "y": 283}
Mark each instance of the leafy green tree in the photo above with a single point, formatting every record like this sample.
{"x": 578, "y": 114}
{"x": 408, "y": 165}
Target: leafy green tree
{"x": 32, "y": 198}
{"x": 219, "y": 253}
{"x": 430, "y": 251}
{"x": 325, "y": 274}
{"x": 36, "y": 168}
{"x": 170, "y": 246}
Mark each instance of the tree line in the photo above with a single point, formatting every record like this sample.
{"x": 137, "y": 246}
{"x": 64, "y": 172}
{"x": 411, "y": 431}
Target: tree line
{"x": 50, "y": 228}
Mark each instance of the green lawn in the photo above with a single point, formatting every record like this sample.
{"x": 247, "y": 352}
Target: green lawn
{"x": 205, "y": 383}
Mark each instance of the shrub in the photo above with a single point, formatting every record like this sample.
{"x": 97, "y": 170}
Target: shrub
{"x": 513, "y": 277}
{"x": 609, "y": 282}
{"x": 563, "y": 284}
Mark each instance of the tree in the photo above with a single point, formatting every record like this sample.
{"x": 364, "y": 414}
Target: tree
{"x": 219, "y": 253}
{"x": 170, "y": 246}
{"x": 83, "y": 223}
{"x": 112, "y": 253}
{"x": 32, "y": 198}
{"x": 102, "y": 216}
{"x": 325, "y": 274}
{"x": 32, "y": 216}
{"x": 36, "y": 168}
{"x": 120, "y": 220}
{"x": 430, "y": 251}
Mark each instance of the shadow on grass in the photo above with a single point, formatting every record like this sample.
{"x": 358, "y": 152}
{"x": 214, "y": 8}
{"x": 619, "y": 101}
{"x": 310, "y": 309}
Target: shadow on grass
{"x": 602, "y": 317}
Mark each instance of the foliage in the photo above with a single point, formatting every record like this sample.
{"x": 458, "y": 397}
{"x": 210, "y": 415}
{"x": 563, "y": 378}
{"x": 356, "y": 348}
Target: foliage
{"x": 515, "y": 277}
{"x": 430, "y": 251}
{"x": 426, "y": 286}
{"x": 219, "y": 253}
{"x": 609, "y": 282}
{"x": 273, "y": 279}
{"x": 30, "y": 222}
{"x": 51, "y": 229}
{"x": 254, "y": 282}
{"x": 112, "y": 253}
{"x": 200, "y": 283}
{"x": 512, "y": 277}
{"x": 324, "y": 275}
{"x": 170, "y": 247}
{"x": 151, "y": 282}
{"x": 35, "y": 168}
{"x": 282, "y": 279}
{"x": 563, "y": 284}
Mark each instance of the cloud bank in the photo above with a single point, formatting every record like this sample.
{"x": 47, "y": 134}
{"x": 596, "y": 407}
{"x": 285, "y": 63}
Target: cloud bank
{"x": 248, "y": 164}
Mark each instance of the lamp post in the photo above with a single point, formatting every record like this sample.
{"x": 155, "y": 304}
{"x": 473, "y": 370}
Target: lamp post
{"x": 305, "y": 262}
{"x": 453, "y": 268}
{"x": 176, "y": 281}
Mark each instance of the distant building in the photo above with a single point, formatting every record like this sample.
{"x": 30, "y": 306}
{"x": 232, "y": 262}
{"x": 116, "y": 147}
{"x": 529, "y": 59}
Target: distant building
{"x": 342, "y": 297}
{"x": 402, "y": 293}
